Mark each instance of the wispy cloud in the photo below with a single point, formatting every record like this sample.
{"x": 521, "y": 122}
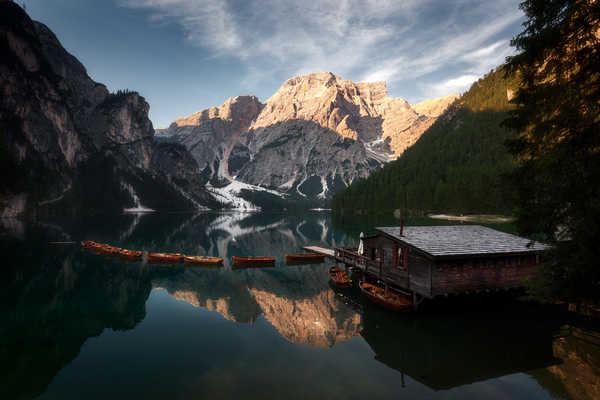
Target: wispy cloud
{"x": 360, "y": 40}
{"x": 453, "y": 85}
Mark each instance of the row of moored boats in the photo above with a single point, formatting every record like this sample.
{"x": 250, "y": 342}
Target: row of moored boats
{"x": 152, "y": 257}
{"x": 177, "y": 257}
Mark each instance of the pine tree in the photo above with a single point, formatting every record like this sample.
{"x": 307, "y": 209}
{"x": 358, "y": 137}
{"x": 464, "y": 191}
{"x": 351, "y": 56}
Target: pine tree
{"x": 557, "y": 116}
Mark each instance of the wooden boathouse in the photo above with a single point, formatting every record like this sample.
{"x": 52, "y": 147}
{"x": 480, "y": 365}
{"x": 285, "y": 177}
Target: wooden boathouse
{"x": 429, "y": 261}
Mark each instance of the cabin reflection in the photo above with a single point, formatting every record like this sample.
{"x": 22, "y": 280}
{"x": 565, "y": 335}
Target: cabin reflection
{"x": 445, "y": 352}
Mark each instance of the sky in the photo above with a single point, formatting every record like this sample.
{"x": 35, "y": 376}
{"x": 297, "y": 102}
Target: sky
{"x": 187, "y": 55}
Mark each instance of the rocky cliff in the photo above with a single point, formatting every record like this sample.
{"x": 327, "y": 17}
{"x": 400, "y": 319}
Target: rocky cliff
{"x": 315, "y": 135}
{"x": 211, "y": 134}
{"x": 68, "y": 145}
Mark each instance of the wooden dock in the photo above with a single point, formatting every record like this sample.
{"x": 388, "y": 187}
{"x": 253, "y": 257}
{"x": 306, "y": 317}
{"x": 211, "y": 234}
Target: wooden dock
{"x": 320, "y": 250}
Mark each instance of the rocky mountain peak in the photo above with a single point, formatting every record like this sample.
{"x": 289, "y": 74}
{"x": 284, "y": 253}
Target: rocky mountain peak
{"x": 358, "y": 111}
{"x": 333, "y": 103}
{"x": 244, "y": 108}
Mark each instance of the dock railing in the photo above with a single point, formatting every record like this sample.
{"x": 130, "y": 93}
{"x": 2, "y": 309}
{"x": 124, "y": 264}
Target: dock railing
{"x": 351, "y": 257}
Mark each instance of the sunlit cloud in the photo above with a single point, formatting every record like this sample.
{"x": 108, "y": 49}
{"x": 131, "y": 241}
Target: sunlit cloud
{"x": 394, "y": 41}
{"x": 455, "y": 85}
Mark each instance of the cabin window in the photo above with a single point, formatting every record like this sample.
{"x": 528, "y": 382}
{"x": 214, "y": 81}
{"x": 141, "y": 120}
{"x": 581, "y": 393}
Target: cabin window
{"x": 400, "y": 257}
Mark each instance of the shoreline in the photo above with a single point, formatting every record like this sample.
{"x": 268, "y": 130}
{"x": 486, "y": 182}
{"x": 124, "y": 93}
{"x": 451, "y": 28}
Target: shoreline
{"x": 488, "y": 218}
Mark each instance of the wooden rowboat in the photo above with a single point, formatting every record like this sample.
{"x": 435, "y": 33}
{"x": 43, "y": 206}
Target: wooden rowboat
{"x": 108, "y": 249}
{"x": 90, "y": 244}
{"x": 130, "y": 254}
{"x": 386, "y": 298}
{"x": 304, "y": 257}
{"x": 165, "y": 257}
{"x": 202, "y": 260}
{"x": 253, "y": 260}
{"x": 339, "y": 277}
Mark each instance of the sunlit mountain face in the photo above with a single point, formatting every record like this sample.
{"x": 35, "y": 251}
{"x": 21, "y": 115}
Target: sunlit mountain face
{"x": 75, "y": 320}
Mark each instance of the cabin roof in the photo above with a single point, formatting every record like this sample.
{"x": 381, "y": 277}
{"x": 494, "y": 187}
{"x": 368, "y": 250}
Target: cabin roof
{"x": 462, "y": 240}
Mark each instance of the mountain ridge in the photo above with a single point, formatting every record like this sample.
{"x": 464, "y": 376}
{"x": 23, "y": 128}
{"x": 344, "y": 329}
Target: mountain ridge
{"x": 316, "y": 134}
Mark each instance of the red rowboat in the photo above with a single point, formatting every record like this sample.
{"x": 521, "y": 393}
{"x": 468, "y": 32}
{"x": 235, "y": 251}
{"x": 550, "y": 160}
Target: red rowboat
{"x": 339, "y": 277}
{"x": 386, "y": 298}
{"x": 304, "y": 257}
{"x": 165, "y": 257}
{"x": 130, "y": 254}
{"x": 202, "y": 260}
{"x": 253, "y": 260}
{"x": 107, "y": 249}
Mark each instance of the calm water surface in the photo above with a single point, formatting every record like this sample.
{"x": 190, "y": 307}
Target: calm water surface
{"x": 78, "y": 325}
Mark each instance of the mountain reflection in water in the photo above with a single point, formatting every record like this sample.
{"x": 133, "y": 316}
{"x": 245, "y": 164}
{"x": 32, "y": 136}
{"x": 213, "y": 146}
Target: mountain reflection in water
{"x": 74, "y": 320}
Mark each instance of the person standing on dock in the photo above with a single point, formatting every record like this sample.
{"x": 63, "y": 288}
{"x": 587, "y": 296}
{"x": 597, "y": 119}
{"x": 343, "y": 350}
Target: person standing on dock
{"x": 361, "y": 246}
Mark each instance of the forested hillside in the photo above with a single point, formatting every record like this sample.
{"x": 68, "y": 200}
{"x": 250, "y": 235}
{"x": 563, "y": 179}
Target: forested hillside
{"x": 456, "y": 166}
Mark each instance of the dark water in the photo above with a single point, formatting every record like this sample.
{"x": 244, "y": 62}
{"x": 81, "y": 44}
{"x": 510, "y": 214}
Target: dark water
{"x": 78, "y": 325}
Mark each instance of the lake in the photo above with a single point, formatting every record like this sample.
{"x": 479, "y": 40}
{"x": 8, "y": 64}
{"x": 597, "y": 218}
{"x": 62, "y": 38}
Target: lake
{"x": 80, "y": 325}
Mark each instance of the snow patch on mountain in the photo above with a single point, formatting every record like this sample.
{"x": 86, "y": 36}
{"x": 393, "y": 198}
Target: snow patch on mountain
{"x": 375, "y": 149}
{"x": 230, "y": 195}
{"x": 323, "y": 194}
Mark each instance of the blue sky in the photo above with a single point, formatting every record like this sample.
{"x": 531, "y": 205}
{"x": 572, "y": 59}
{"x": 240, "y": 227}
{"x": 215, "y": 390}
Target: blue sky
{"x": 186, "y": 55}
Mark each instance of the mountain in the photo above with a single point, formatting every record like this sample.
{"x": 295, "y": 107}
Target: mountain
{"x": 457, "y": 165}
{"x": 68, "y": 145}
{"x": 314, "y": 136}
